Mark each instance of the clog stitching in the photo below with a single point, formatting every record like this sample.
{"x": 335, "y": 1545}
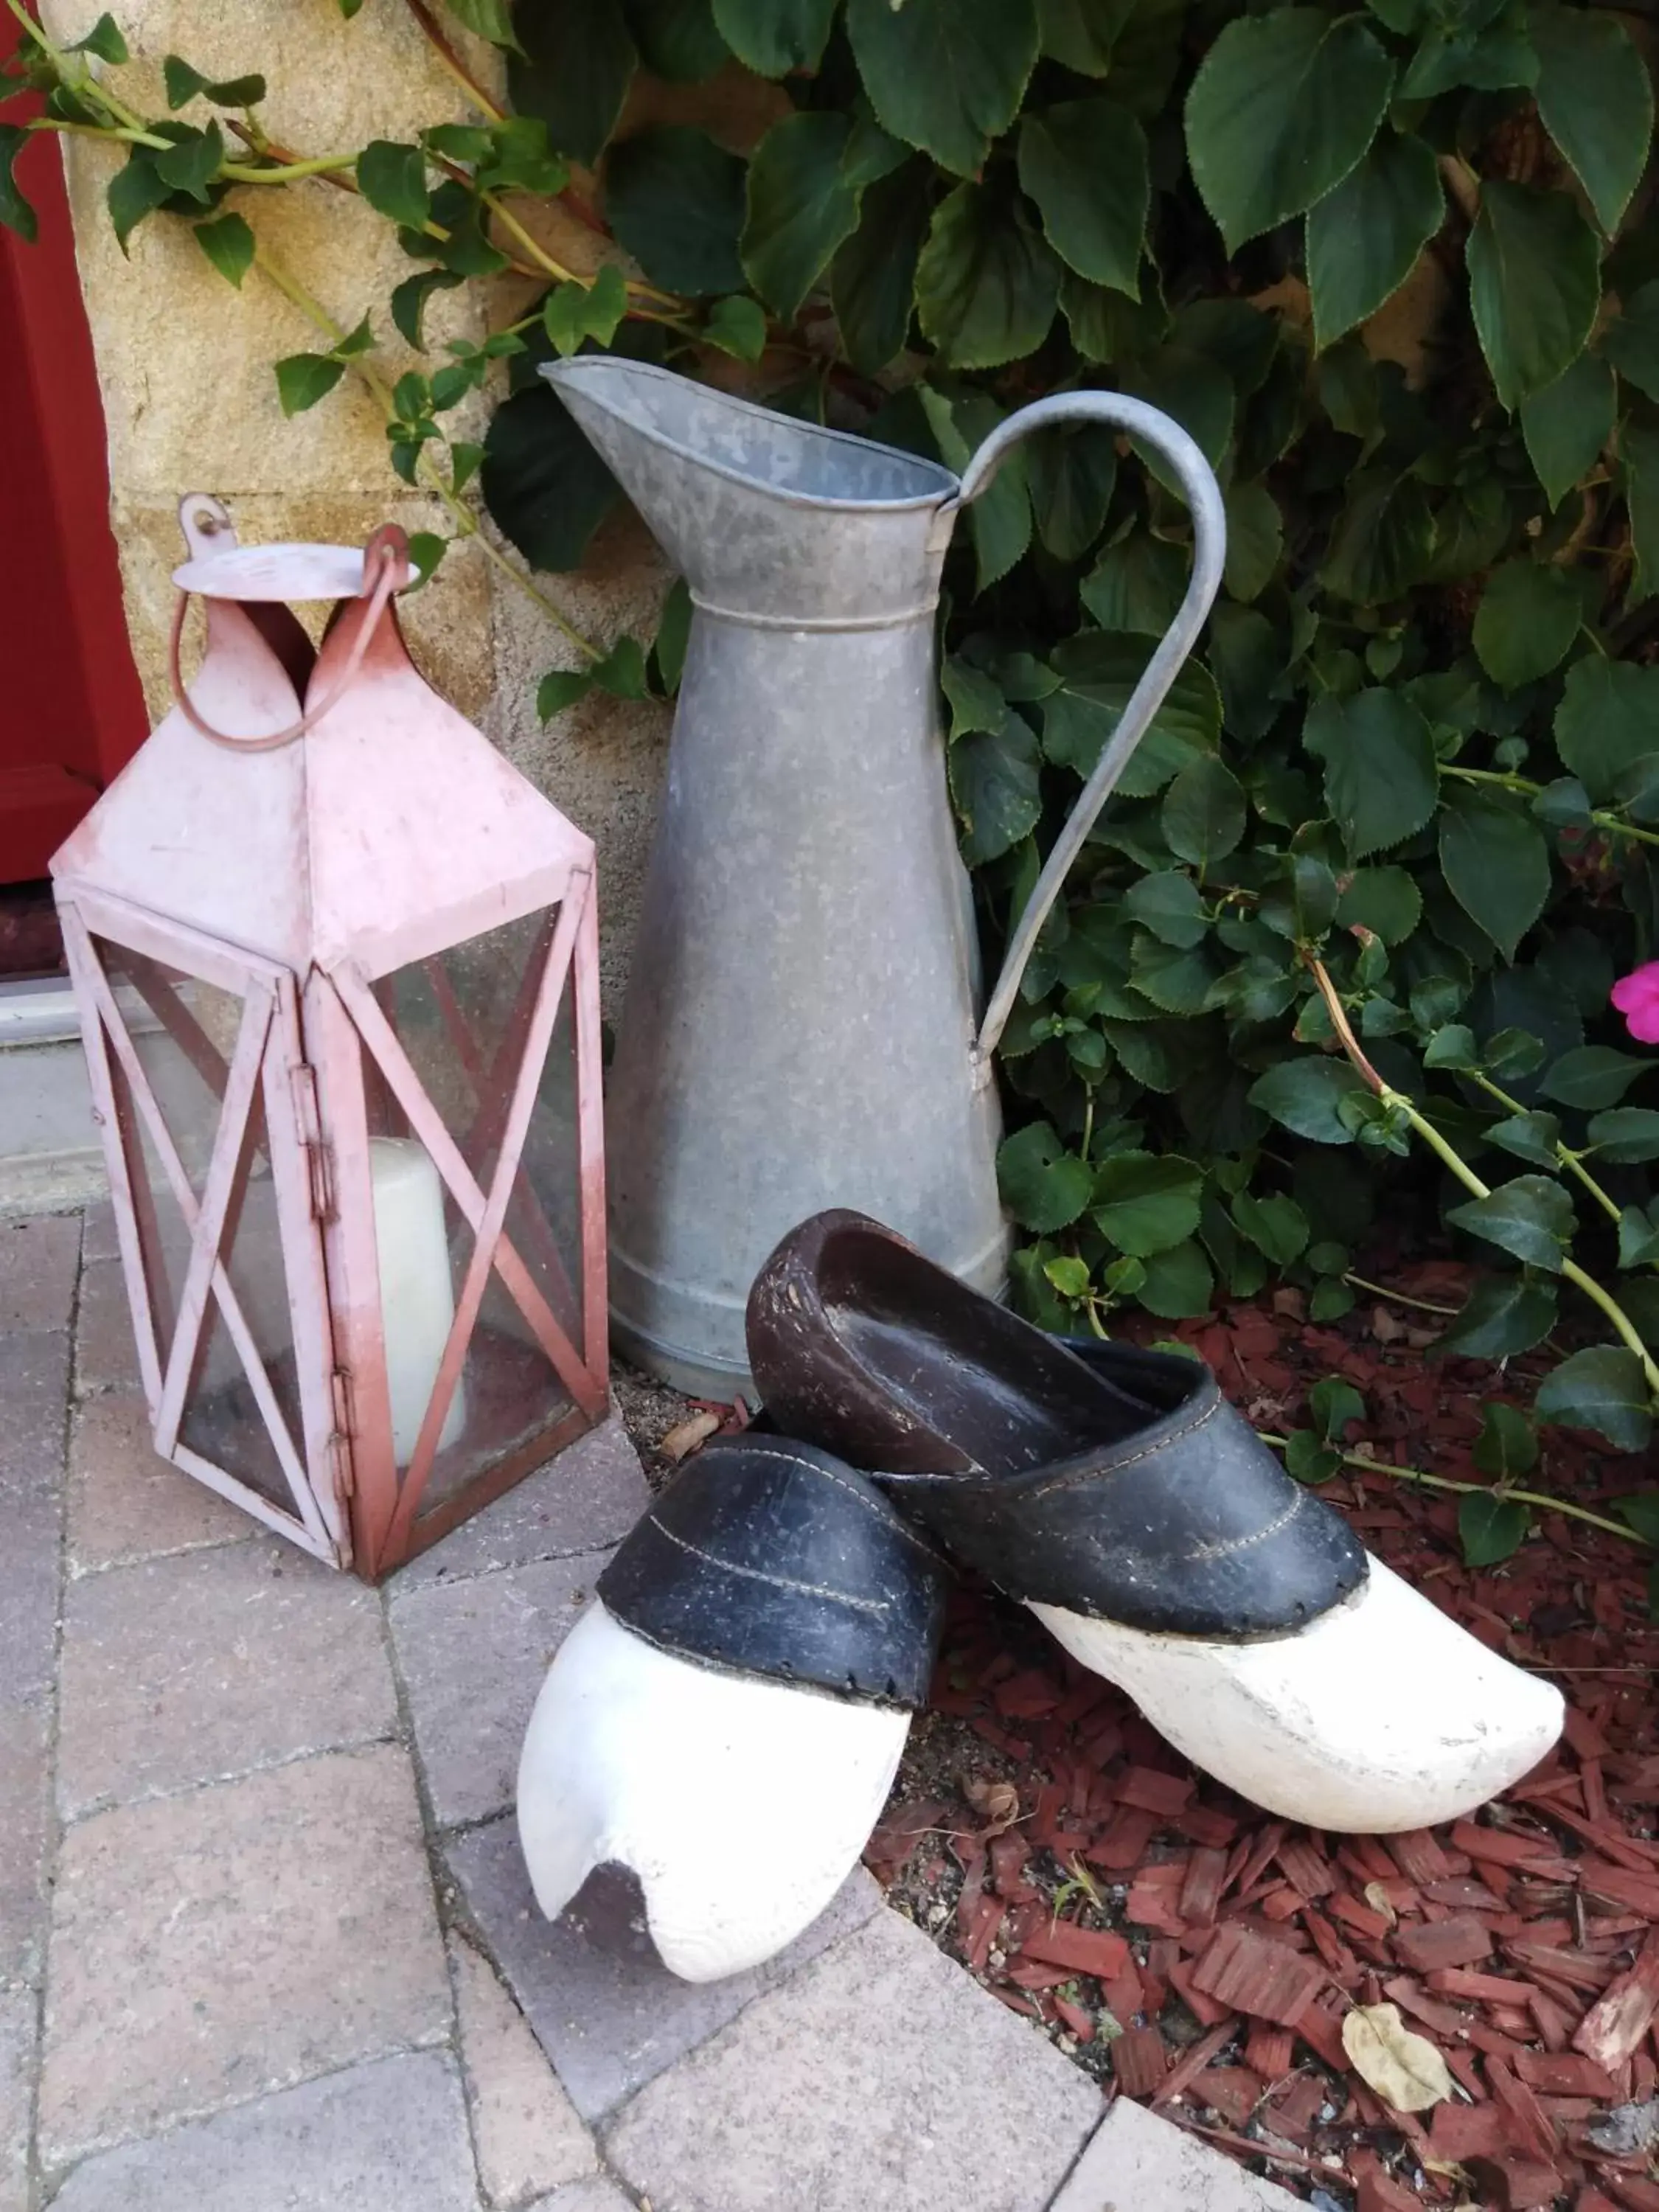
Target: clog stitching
{"x": 884, "y": 1513}
{"x": 775, "y": 1581}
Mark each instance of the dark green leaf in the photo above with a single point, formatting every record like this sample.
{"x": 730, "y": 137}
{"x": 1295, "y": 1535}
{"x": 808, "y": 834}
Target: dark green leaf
{"x": 1381, "y": 780}
{"x": 622, "y": 672}
{"x": 105, "y": 40}
{"x": 1530, "y": 1217}
{"x": 1596, "y": 100}
{"x": 409, "y": 298}
{"x": 1638, "y": 449}
{"x": 1452, "y": 1046}
{"x": 1143, "y": 1204}
{"x": 1530, "y": 1137}
{"x": 1385, "y": 901}
{"x": 1632, "y": 344}
{"x": 1307, "y": 1459}
{"x": 1178, "y": 1283}
{"x": 181, "y": 80}
{"x": 561, "y": 688}
{"x": 1640, "y": 1510}
{"x": 463, "y": 250}
{"x": 987, "y": 282}
{"x": 1000, "y": 518}
{"x": 191, "y": 162}
{"x": 1506, "y": 1445}
{"x": 391, "y": 177}
{"x": 994, "y": 783}
{"x": 673, "y": 634}
{"x": 227, "y": 243}
{"x": 1203, "y": 815}
{"x": 945, "y": 75}
{"x": 1195, "y": 390}
{"x": 1333, "y": 1404}
{"x": 774, "y": 37}
{"x": 1304, "y": 1095}
{"x": 1072, "y": 470}
{"x": 1170, "y": 906}
{"x": 1491, "y": 1529}
{"x": 872, "y": 277}
{"x": 1255, "y": 539}
{"x": 1495, "y": 861}
{"x": 1364, "y": 238}
{"x": 675, "y": 201}
{"x": 1085, "y": 164}
{"x": 1601, "y": 1388}
{"x": 303, "y": 379}
{"x": 677, "y": 39}
{"x": 520, "y": 158}
{"x": 1526, "y": 622}
{"x": 15, "y": 212}
{"x": 1484, "y": 54}
{"x": 426, "y": 550}
{"x": 1136, "y": 584}
{"x": 736, "y": 327}
{"x": 1098, "y": 675}
{"x": 1382, "y": 541}
{"x": 1283, "y": 107}
{"x": 1638, "y": 1242}
{"x": 1608, "y": 720}
{"x": 1567, "y": 424}
{"x": 1505, "y": 1314}
{"x": 1592, "y": 1076}
{"x": 1276, "y": 1226}
{"x": 542, "y": 483}
{"x": 491, "y": 19}
{"x": 1535, "y": 285}
{"x": 572, "y": 312}
{"x": 1044, "y": 1186}
{"x": 1626, "y": 1133}
{"x": 573, "y": 72}
{"x": 1084, "y": 33}
{"x": 800, "y": 206}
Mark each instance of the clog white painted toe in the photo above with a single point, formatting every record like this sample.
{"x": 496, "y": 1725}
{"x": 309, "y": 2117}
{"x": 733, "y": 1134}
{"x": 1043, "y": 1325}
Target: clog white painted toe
{"x": 1381, "y": 1714}
{"x": 741, "y": 1804}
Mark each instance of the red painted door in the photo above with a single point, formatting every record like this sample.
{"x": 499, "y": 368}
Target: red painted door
{"x": 71, "y": 712}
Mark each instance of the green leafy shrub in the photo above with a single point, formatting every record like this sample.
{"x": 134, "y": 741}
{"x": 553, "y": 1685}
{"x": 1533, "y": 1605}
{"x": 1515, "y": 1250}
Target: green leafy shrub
{"x": 1363, "y": 890}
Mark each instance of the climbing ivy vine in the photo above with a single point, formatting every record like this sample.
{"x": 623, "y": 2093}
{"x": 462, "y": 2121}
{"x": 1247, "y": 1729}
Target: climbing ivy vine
{"x": 1351, "y": 924}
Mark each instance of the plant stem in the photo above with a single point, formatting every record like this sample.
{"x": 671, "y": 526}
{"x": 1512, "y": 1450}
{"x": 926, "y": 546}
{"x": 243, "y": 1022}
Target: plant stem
{"x": 465, "y": 517}
{"x": 450, "y": 61}
{"x": 1368, "y": 1466}
{"x": 321, "y": 165}
{"x": 1399, "y": 1297}
{"x": 1397, "y": 1101}
{"x": 1612, "y": 826}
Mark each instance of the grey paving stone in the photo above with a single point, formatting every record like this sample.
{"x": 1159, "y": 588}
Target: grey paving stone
{"x": 608, "y": 2013}
{"x": 104, "y": 1352}
{"x": 585, "y": 1500}
{"x": 1137, "y": 2159}
{"x": 211, "y": 1663}
{"x": 599, "y": 2194}
{"x": 39, "y": 1262}
{"x": 18, "y": 2025}
{"x": 98, "y": 1237}
{"x": 209, "y": 1947}
{"x": 125, "y": 1501}
{"x": 25, "y": 1799}
{"x": 33, "y": 1386}
{"x": 473, "y": 1655}
{"x": 881, "y": 2079}
{"x": 526, "y": 2131}
{"x": 385, "y": 2138}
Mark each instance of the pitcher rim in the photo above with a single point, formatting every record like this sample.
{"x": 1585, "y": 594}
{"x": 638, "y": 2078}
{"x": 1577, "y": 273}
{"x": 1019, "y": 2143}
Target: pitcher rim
{"x": 950, "y": 482}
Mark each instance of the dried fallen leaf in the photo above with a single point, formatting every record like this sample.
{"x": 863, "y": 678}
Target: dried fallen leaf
{"x": 684, "y": 1436}
{"x": 1378, "y": 1898}
{"x": 1386, "y": 1327}
{"x": 1404, "y": 2069}
{"x": 996, "y": 1802}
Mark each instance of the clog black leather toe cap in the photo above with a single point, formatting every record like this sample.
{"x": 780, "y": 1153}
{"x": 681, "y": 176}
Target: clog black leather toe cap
{"x": 770, "y": 1557}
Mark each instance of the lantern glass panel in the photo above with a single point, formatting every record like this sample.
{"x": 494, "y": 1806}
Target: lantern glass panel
{"x": 184, "y": 1032}
{"x": 464, "y": 1017}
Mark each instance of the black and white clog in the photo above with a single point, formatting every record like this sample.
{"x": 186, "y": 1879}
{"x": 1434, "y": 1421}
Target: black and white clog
{"x": 727, "y": 1716}
{"x": 1118, "y": 1494}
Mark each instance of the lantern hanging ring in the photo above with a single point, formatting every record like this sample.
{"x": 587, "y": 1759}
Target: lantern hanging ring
{"x": 385, "y": 558}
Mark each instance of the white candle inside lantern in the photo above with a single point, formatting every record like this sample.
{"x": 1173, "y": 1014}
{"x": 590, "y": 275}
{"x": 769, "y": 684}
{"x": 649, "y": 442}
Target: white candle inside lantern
{"x": 417, "y": 1302}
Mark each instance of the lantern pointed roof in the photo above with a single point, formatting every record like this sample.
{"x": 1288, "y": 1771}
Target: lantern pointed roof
{"x": 343, "y": 813}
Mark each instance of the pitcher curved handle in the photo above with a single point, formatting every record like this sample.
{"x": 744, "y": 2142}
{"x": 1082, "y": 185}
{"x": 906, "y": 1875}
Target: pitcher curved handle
{"x": 1203, "y": 496}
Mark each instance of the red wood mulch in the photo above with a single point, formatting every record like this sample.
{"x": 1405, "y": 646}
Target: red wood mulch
{"x": 1199, "y": 1955}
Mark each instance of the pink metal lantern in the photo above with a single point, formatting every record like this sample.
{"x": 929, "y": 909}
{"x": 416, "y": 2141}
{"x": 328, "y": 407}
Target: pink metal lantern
{"x": 337, "y": 967}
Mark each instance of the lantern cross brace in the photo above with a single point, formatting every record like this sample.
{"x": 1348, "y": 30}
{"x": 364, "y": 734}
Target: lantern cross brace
{"x": 172, "y": 1168}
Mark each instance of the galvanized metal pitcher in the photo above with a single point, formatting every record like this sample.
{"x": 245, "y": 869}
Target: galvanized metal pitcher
{"x": 802, "y": 1027}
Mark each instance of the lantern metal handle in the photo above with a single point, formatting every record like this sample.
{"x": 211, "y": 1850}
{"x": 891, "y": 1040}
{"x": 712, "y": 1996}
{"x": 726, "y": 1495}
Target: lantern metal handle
{"x": 386, "y": 557}
{"x": 1199, "y": 488}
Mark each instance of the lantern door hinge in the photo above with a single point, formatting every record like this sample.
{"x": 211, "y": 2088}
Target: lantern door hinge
{"x": 318, "y": 1165}
{"x": 339, "y": 1443}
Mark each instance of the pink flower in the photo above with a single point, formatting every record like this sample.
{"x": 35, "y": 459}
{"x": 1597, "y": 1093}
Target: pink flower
{"x": 1636, "y": 997}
